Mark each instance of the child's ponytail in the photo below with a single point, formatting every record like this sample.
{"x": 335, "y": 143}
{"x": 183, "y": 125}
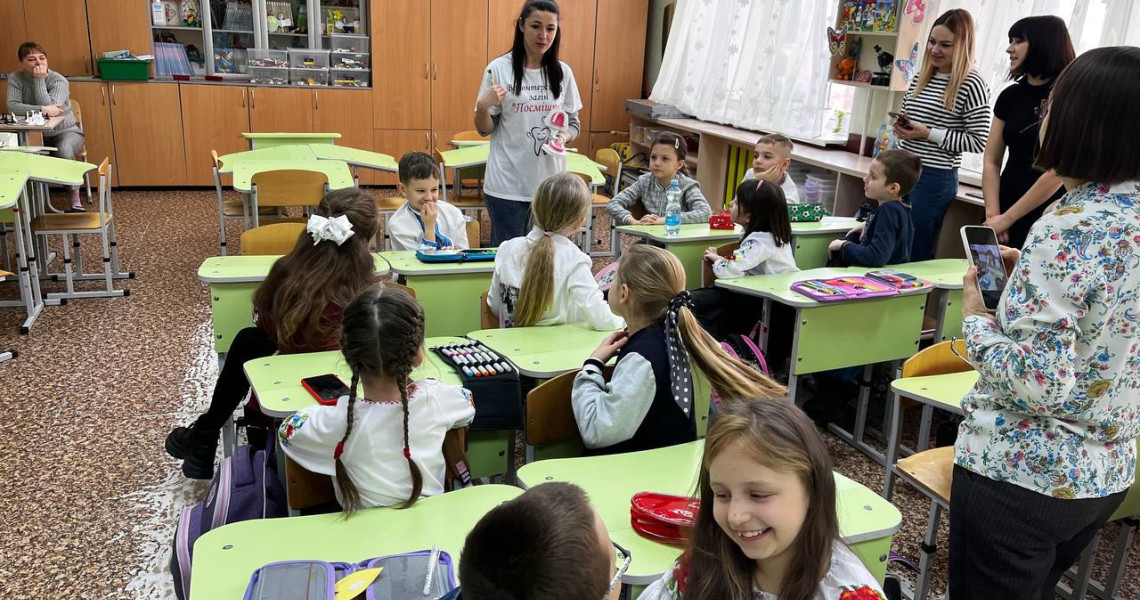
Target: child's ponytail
{"x": 537, "y": 290}
{"x": 730, "y": 377}
{"x": 349, "y": 495}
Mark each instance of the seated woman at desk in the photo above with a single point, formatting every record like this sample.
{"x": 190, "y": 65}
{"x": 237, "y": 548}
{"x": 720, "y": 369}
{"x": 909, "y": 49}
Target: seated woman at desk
{"x": 35, "y": 88}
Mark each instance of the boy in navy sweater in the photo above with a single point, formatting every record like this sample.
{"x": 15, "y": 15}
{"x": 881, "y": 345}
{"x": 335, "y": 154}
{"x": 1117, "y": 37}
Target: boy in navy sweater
{"x": 885, "y": 238}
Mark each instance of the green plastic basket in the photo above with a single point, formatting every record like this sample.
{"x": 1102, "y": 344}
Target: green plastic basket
{"x": 124, "y": 69}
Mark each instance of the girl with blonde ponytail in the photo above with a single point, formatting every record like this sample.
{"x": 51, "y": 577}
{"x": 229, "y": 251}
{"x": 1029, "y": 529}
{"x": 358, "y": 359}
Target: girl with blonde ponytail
{"x": 543, "y": 278}
{"x": 384, "y": 447}
{"x": 648, "y": 402}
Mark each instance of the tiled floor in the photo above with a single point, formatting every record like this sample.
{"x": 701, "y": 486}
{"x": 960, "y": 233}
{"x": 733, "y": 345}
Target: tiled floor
{"x": 89, "y": 496}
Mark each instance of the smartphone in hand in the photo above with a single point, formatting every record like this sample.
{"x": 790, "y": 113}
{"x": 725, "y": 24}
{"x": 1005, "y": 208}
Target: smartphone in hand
{"x": 900, "y": 119}
{"x": 982, "y": 248}
{"x": 327, "y": 389}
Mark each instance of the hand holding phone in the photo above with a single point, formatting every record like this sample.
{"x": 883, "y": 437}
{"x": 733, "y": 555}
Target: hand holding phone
{"x": 327, "y": 389}
{"x": 900, "y": 119}
{"x": 982, "y": 248}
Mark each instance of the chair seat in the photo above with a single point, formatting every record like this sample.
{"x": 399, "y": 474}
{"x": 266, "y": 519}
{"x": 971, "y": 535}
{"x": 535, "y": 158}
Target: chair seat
{"x": 234, "y": 207}
{"x": 599, "y": 200}
{"x": 465, "y": 202}
{"x": 932, "y": 470}
{"x": 67, "y": 222}
{"x": 393, "y": 203}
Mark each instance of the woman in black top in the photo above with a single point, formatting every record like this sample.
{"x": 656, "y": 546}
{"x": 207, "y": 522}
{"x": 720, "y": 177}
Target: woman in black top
{"x": 1039, "y": 49}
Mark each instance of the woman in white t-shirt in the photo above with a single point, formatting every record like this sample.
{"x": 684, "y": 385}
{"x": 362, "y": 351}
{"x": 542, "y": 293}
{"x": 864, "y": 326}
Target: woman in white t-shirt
{"x": 528, "y": 103}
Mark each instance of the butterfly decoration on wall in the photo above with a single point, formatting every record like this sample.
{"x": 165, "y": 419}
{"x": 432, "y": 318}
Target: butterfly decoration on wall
{"x": 906, "y": 67}
{"x": 918, "y": 7}
{"x": 836, "y": 41}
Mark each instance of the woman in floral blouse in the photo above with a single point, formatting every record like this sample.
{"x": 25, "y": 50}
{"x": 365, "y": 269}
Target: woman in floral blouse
{"x": 1047, "y": 451}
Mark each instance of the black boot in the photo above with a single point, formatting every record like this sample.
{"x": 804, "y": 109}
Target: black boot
{"x": 180, "y": 440}
{"x": 199, "y": 462}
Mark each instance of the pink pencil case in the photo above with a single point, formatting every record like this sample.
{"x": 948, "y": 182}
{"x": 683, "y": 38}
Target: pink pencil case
{"x": 843, "y": 288}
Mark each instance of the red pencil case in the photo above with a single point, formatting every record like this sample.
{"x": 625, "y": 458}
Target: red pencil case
{"x": 721, "y": 220}
{"x": 663, "y": 517}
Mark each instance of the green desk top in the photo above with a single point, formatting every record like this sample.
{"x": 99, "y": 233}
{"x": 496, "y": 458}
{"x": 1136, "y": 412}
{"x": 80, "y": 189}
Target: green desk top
{"x": 337, "y": 172}
{"x": 290, "y": 136}
{"x": 273, "y": 153}
{"x": 28, "y": 149}
{"x": 694, "y": 232}
{"x": 612, "y": 480}
{"x": 476, "y": 154}
{"x": 778, "y": 287}
{"x": 829, "y": 225}
{"x": 11, "y": 186}
{"x": 354, "y": 156}
{"x": 543, "y": 352}
{"x": 247, "y": 269}
{"x": 940, "y": 391}
{"x": 404, "y": 262}
{"x": 942, "y": 273}
{"x": 45, "y": 169}
{"x": 277, "y": 379}
{"x": 225, "y": 558}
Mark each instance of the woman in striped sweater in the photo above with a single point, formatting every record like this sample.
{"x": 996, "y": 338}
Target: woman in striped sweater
{"x": 946, "y": 113}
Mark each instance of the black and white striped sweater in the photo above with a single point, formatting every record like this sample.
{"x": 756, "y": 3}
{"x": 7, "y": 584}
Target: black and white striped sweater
{"x": 964, "y": 129}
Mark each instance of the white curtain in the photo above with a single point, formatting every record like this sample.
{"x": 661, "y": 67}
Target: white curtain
{"x": 757, "y": 64}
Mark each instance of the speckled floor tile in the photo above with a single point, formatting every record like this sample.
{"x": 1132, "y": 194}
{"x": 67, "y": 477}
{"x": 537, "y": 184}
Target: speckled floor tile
{"x": 90, "y": 498}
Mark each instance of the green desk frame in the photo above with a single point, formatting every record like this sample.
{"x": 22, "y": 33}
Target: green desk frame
{"x": 866, "y": 521}
{"x": 225, "y": 558}
{"x": 810, "y": 240}
{"x": 448, "y": 292}
{"x": 945, "y": 274}
{"x": 268, "y": 140}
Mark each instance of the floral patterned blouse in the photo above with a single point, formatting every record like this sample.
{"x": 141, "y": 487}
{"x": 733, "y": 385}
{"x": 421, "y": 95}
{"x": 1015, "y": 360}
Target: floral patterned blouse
{"x": 1057, "y": 406}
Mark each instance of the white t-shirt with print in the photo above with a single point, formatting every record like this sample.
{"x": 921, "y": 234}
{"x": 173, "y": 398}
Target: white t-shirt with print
{"x": 517, "y": 163}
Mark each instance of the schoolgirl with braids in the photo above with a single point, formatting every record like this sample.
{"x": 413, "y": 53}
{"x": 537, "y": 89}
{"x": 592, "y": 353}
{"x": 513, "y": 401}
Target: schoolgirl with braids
{"x": 544, "y": 278}
{"x": 649, "y": 400}
{"x": 383, "y": 442}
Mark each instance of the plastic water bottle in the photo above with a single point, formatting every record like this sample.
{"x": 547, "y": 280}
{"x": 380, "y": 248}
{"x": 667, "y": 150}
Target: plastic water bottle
{"x": 673, "y": 210}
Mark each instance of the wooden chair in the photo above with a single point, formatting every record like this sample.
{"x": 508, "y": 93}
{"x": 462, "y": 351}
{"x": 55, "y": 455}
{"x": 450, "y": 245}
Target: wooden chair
{"x": 278, "y": 238}
{"x": 287, "y": 187}
{"x": 385, "y": 208}
{"x": 551, "y": 430}
{"x": 726, "y": 250}
{"x": 596, "y": 201}
{"x": 99, "y": 222}
{"x": 399, "y": 286}
{"x": 229, "y": 208}
{"x": 75, "y": 110}
{"x": 487, "y": 317}
{"x": 473, "y": 234}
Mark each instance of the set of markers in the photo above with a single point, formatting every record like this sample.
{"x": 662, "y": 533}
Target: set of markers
{"x": 474, "y": 359}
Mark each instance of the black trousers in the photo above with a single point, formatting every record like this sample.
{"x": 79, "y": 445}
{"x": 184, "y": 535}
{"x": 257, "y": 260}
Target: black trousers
{"x": 232, "y": 386}
{"x": 1012, "y": 543}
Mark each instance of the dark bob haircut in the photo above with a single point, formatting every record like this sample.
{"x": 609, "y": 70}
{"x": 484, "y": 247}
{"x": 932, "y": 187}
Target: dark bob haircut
{"x": 1092, "y": 125}
{"x": 1050, "y": 48}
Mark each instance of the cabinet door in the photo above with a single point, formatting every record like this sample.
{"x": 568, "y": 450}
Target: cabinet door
{"x": 273, "y": 110}
{"x": 60, "y": 26}
{"x": 576, "y": 49}
{"x": 397, "y": 142}
{"x": 95, "y": 109}
{"x": 401, "y": 44}
{"x": 213, "y": 118}
{"x": 119, "y": 25}
{"x": 458, "y": 50}
{"x": 12, "y": 28}
{"x": 147, "y": 119}
{"x": 501, "y": 24}
{"x": 349, "y": 113}
{"x": 618, "y": 73}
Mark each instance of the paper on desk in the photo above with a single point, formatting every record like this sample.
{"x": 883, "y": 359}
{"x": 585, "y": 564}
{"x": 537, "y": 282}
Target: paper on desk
{"x": 833, "y": 220}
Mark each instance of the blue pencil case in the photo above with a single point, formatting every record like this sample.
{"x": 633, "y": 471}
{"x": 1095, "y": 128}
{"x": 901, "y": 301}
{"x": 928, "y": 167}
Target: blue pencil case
{"x": 404, "y": 577}
{"x": 448, "y": 255}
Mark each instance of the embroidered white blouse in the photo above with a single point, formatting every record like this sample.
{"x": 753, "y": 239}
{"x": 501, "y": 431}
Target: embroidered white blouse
{"x": 757, "y": 255}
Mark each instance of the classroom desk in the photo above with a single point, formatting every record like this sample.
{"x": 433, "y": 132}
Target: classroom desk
{"x": 543, "y": 352}
{"x": 448, "y": 292}
{"x": 689, "y": 247}
{"x": 268, "y": 140}
{"x": 866, "y": 521}
{"x": 945, "y": 274}
{"x": 232, "y": 281}
{"x": 225, "y": 558}
{"x": 243, "y": 169}
{"x": 944, "y": 392}
{"x": 810, "y": 240}
{"x": 22, "y": 131}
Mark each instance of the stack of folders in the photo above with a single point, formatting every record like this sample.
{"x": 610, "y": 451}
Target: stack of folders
{"x": 170, "y": 59}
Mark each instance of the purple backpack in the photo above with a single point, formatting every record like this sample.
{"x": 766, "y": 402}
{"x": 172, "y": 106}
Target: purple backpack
{"x": 745, "y": 349}
{"x": 405, "y": 577}
{"x": 245, "y": 487}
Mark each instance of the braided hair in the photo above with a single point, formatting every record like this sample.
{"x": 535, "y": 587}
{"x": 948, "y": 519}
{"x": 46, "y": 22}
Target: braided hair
{"x": 382, "y": 331}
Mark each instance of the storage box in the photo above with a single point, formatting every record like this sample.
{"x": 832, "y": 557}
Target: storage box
{"x": 349, "y": 43}
{"x": 309, "y": 77}
{"x": 350, "y": 60}
{"x": 649, "y": 109}
{"x": 348, "y": 77}
{"x": 269, "y": 75}
{"x": 124, "y": 69}
{"x": 267, "y": 58}
{"x": 302, "y": 58}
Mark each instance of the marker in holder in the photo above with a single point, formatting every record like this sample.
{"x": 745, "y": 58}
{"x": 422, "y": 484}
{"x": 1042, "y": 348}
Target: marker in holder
{"x": 492, "y": 380}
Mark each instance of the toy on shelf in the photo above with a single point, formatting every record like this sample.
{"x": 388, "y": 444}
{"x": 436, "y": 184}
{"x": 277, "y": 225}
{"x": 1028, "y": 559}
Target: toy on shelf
{"x": 836, "y": 41}
{"x": 884, "y": 58}
{"x": 846, "y": 68}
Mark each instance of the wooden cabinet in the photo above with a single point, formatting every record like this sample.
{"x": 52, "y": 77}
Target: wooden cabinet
{"x": 13, "y": 30}
{"x": 576, "y": 49}
{"x": 118, "y": 25}
{"x": 396, "y": 142}
{"x": 213, "y": 118}
{"x": 283, "y": 109}
{"x": 402, "y": 78}
{"x": 501, "y": 23}
{"x": 458, "y": 49}
{"x": 618, "y": 72}
{"x": 95, "y": 108}
{"x": 149, "y": 145}
{"x": 348, "y": 112}
{"x": 60, "y": 26}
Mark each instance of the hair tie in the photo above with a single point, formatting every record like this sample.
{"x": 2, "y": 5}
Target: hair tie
{"x": 407, "y": 453}
{"x": 339, "y": 450}
{"x": 337, "y": 229}
{"x": 683, "y": 298}
{"x": 548, "y": 233}
{"x": 680, "y": 374}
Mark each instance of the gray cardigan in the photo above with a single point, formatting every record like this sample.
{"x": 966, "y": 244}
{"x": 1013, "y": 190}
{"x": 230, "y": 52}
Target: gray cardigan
{"x": 27, "y": 93}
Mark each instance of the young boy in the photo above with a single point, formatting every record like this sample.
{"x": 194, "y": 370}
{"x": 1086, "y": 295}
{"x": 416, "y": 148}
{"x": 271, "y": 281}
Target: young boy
{"x": 886, "y": 236}
{"x": 773, "y": 157}
{"x": 424, "y": 221}
{"x": 547, "y": 544}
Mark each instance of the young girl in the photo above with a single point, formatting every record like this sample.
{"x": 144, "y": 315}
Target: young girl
{"x": 544, "y": 278}
{"x": 666, "y": 163}
{"x": 296, "y": 309}
{"x": 360, "y": 440}
{"x": 766, "y": 246}
{"x": 767, "y": 527}
{"x": 648, "y": 402}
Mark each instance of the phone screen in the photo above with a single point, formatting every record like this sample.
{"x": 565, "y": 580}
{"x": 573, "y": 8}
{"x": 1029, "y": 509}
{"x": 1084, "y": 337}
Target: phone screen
{"x": 325, "y": 388}
{"x": 982, "y": 246}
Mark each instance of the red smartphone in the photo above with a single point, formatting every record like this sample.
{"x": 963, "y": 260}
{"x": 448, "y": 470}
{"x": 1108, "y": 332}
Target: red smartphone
{"x": 325, "y": 388}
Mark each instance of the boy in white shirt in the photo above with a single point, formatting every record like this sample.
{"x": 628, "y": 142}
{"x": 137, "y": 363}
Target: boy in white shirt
{"x": 424, "y": 221}
{"x": 773, "y": 157}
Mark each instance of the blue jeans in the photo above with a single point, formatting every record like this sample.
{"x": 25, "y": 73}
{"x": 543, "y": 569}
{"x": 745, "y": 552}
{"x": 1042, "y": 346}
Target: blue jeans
{"x": 929, "y": 201}
{"x": 509, "y": 219}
